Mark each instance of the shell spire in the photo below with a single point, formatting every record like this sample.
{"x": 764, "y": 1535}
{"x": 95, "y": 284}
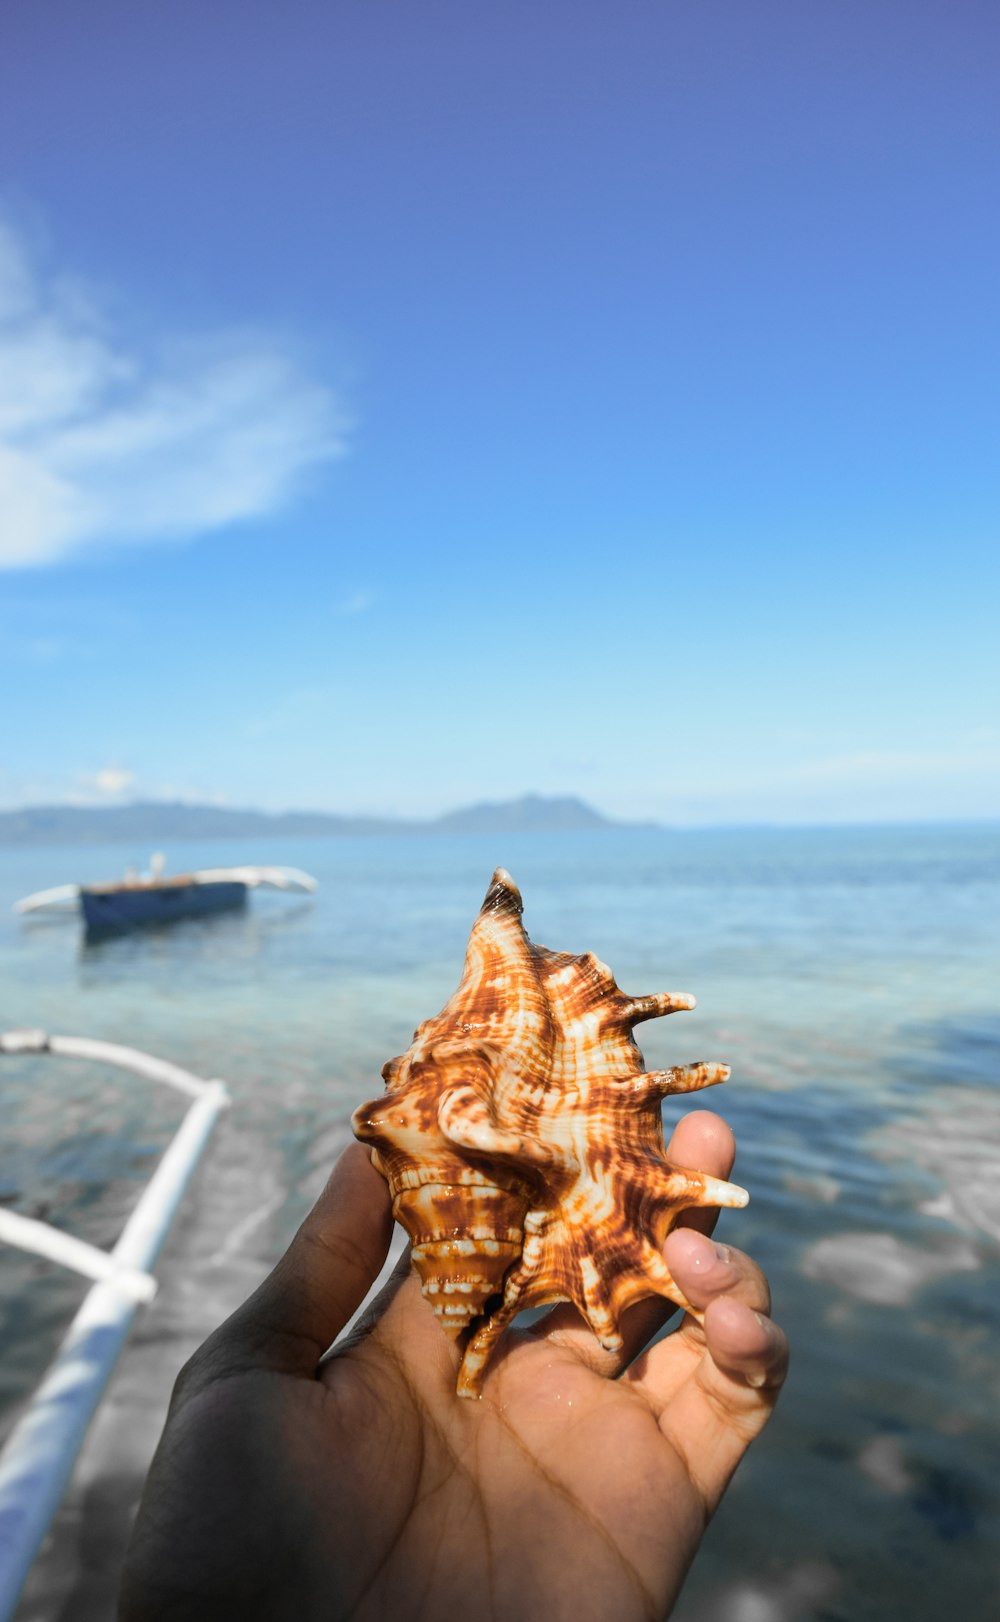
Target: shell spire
{"x": 522, "y": 1141}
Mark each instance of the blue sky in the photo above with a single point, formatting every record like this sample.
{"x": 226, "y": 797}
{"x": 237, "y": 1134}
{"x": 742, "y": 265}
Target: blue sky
{"x": 408, "y": 405}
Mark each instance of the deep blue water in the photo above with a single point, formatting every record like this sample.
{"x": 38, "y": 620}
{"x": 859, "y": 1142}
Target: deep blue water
{"x": 851, "y": 979}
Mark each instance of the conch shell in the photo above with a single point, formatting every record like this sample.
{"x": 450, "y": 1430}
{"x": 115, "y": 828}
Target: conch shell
{"x": 522, "y": 1141}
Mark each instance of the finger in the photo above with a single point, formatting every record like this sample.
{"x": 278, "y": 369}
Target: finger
{"x": 700, "y": 1139}
{"x": 704, "y": 1270}
{"x": 704, "y": 1134}
{"x": 397, "y": 1279}
{"x": 746, "y": 1345}
{"x": 399, "y": 1327}
{"x": 734, "y": 1368}
{"x": 728, "y": 1398}
{"x": 324, "y": 1275}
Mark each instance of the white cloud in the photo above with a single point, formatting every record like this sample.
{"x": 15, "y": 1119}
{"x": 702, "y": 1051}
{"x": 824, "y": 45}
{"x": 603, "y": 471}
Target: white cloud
{"x": 102, "y": 442}
{"x": 113, "y": 781}
{"x": 108, "y": 785}
{"x": 101, "y": 787}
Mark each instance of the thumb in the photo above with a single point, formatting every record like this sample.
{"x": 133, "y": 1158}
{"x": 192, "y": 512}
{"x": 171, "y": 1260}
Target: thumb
{"x": 300, "y": 1308}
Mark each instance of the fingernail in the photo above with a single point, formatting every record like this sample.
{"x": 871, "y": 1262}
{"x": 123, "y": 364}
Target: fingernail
{"x": 756, "y": 1380}
{"x": 702, "y": 1255}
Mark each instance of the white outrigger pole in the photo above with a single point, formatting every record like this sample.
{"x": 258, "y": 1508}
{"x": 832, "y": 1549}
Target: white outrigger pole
{"x": 40, "y": 1452}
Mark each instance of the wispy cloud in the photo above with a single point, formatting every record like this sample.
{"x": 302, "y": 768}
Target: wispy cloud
{"x": 186, "y": 793}
{"x": 960, "y": 778}
{"x": 106, "y": 785}
{"x": 112, "y": 784}
{"x": 109, "y": 783}
{"x": 356, "y": 602}
{"x": 103, "y": 440}
{"x": 896, "y": 765}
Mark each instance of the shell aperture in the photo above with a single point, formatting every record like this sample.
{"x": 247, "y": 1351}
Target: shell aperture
{"x": 522, "y": 1141}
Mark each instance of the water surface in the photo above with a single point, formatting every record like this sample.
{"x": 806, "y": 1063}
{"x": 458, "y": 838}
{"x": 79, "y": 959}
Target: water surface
{"x": 849, "y": 977}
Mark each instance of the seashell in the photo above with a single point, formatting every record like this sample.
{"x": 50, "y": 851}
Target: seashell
{"x": 522, "y": 1141}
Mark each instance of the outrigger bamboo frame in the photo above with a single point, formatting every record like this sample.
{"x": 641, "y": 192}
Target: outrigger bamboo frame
{"x": 38, "y": 1458}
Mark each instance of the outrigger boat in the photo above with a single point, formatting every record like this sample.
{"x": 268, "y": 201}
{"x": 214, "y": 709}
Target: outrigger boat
{"x": 154, "y": 898}
{"x": 41, "y": 1449}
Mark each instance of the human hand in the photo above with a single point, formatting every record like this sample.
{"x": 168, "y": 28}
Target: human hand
{"x": 361, "y": 1486}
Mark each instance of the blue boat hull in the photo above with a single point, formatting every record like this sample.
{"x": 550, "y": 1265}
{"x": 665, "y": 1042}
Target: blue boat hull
{"x": 109, "y": 912}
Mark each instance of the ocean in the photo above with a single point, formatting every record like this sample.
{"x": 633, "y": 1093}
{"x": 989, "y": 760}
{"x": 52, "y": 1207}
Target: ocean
{"x": 850, "y": 977}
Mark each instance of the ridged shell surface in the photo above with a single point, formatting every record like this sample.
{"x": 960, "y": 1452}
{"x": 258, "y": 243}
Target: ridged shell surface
{"x": 522, "y": 1140}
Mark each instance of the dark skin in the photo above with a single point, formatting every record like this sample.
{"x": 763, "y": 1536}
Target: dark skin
{"x": 360, "y": 1486}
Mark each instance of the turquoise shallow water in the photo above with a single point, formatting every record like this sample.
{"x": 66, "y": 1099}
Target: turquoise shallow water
{"x": 850, "y": 977}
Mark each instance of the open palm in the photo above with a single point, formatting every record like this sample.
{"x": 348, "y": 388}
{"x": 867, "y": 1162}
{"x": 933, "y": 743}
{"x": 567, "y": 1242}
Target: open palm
{"x": 288, "y": 1485}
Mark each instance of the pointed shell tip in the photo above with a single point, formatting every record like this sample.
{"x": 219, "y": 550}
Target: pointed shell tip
{"x": 503, "y": 893}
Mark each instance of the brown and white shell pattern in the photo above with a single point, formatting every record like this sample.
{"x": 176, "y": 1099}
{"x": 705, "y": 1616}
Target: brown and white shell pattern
{"x": 522, "y": 1141}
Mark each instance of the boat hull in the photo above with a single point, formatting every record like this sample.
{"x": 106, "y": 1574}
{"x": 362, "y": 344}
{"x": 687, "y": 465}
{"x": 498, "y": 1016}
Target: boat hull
{"x": 113, "y": 910}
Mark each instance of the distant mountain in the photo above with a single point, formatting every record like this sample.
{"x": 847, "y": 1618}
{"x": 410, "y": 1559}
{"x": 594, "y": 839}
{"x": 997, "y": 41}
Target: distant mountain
{"x": 160, "y": 821}
{"x": 532, "y": 814}
{"x": 163, "y": 819}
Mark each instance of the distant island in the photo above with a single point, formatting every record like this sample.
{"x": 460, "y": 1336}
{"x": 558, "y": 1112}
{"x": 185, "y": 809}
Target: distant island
{"x": 160, "y": 821}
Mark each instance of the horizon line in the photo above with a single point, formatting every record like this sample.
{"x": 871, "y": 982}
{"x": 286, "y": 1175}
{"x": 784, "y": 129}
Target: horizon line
{"x": 403, "y": 818}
